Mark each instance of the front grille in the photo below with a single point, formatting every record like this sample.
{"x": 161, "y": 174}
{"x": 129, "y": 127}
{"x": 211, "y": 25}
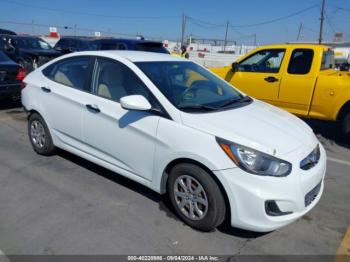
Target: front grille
{"x": 311, "y": 160}
{"x": 310, "y": 197}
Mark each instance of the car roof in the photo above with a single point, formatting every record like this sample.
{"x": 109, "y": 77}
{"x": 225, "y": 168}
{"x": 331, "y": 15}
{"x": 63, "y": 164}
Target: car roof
{"x": 294, "y": 45}
{"x": 22, "y": 37}
{"x": 124, "y": 40}
{"x": 133, "y": 56}
{"x": 6, "y": 32}
{"x": 110, "y": 39}
{"x": 84, "y": 38}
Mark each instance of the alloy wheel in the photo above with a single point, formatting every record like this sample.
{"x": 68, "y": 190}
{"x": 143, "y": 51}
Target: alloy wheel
{"x": 190, "y": 197}
{"x": 37, "y": 133}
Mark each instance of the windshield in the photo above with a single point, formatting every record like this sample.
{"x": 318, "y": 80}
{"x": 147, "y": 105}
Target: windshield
{"x": 32, "y": 43}
{"x": 188, "y": 86}
{"x": 327, "y": 60}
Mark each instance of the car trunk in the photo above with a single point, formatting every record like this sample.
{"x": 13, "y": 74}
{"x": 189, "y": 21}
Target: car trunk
{"x": 8, "y": 74}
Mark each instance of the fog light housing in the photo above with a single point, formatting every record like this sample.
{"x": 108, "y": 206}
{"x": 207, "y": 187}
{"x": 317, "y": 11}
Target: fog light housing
{"x": 272, "y": 209}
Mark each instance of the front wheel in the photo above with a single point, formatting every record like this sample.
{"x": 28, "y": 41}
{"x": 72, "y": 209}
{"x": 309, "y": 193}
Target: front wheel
{"x": 196, "y": 197}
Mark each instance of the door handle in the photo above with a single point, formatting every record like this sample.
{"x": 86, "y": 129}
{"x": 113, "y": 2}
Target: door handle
{"x": 93, "y": 108}
{"x": 271, "y": 79}
{"x": 46, "y": 89}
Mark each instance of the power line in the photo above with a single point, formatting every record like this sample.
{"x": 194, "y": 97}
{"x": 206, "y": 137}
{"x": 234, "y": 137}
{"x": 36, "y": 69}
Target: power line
{"x": 343, "y": 9}
{"x": 87, "y": 13}
{"x": 279, "y": 18}
{"x": 203, "y": 23}
{"x": 75, "y": 27}
{"x": 330, "y": 24}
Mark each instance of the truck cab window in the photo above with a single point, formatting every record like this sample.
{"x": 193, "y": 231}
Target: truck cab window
{"x": 301, "y": 61}
{"x": 265, "y": 61}
{"x": 327, "y": 60}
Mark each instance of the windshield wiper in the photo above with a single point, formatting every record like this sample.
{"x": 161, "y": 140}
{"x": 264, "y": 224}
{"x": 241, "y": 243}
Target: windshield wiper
{"x": 243, "y": 99}
{"x": 197, "y": 107}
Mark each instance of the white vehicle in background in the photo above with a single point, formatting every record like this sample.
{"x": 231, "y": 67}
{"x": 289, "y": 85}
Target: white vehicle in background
{"x": 176, "y": 128}
{"x": 342, "y": 58}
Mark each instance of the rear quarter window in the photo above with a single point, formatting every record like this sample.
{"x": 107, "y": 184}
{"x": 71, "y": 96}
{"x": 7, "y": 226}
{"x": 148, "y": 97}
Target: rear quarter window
{"x": 327, "y": 60}
{"x": 72, "y": 72}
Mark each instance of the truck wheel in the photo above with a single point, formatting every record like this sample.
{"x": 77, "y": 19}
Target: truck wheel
{"x": 196, "y": 197}
{"x": 345, "y": 126}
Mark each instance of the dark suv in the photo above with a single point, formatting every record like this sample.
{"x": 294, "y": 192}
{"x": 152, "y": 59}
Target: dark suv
{"x": 28, "y": 51}
{"x": 73, "y": 44}
{"x": 69, "y": 44}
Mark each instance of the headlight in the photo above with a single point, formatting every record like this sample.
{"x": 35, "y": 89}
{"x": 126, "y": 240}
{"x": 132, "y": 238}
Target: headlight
{"x": 255, "y": 162}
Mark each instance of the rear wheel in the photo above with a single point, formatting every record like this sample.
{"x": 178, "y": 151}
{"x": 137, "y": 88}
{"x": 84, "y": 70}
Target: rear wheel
{"x": 39, "y": 135}
{"x": 345, "y": 126}
{"x": 196, "y": 197}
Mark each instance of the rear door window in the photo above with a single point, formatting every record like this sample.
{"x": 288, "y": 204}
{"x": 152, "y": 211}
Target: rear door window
{"x": 301, "y": 61}
{"x": 113, "y": 80}
{"x": 72, "y": 72}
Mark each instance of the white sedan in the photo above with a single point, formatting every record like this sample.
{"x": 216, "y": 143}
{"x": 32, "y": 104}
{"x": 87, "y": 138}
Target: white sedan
{"x": 176, "y": 128}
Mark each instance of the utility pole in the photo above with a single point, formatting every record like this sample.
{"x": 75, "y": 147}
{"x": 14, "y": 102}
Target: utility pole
{"x": 321, "y": 21}
{"x": 225, "y": 42}
{"x": 255, "y": 39}
{"x": 33, "y": 27}
{"x": 183, "y": 28}
{"x": 299, "y": 31}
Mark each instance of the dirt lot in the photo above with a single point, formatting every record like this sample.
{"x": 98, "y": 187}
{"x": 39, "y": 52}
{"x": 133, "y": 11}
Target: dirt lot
{"x": 66, "y": 205}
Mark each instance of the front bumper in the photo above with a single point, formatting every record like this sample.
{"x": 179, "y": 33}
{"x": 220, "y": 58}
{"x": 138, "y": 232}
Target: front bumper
{"x": 248, "y": 194}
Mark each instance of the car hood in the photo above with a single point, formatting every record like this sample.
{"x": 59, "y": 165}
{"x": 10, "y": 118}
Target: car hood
{"x": 38, "y": 52}
{"x": 257, "y": 125}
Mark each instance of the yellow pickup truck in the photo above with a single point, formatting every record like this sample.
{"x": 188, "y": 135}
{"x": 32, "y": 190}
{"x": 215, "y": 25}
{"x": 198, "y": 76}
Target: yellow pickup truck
{"x": 296, "y": 77}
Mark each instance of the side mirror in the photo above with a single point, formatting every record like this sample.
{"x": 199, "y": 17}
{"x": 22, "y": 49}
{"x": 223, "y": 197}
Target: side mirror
{"x": 235, "y": 67}
{"x": 135, "y": 102}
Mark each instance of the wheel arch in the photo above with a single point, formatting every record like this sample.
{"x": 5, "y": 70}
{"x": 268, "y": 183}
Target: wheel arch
{"x": 343, "y": 110}
{"x": 173, "y": 163}
{"x": 32, "y": 111}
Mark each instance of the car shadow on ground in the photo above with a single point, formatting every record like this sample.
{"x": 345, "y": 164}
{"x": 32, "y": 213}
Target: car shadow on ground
{"x": 328, "y": 130}
{"x": 162, "y": 200}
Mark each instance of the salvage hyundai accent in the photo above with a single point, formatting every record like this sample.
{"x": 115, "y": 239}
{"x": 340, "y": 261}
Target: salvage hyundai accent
{"x": 176, "y": 128}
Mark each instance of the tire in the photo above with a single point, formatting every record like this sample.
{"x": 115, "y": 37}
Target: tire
{"x": 208, "y": 192}
{"x": 345, "y": 126}
{"x": 39, "y": 135}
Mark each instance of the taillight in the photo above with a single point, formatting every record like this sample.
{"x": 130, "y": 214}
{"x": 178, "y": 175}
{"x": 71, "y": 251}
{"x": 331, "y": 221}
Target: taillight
{"x": 21, "y": 74}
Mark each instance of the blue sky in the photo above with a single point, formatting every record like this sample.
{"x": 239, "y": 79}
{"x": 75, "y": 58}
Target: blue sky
{"x": 162, "y": 19}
